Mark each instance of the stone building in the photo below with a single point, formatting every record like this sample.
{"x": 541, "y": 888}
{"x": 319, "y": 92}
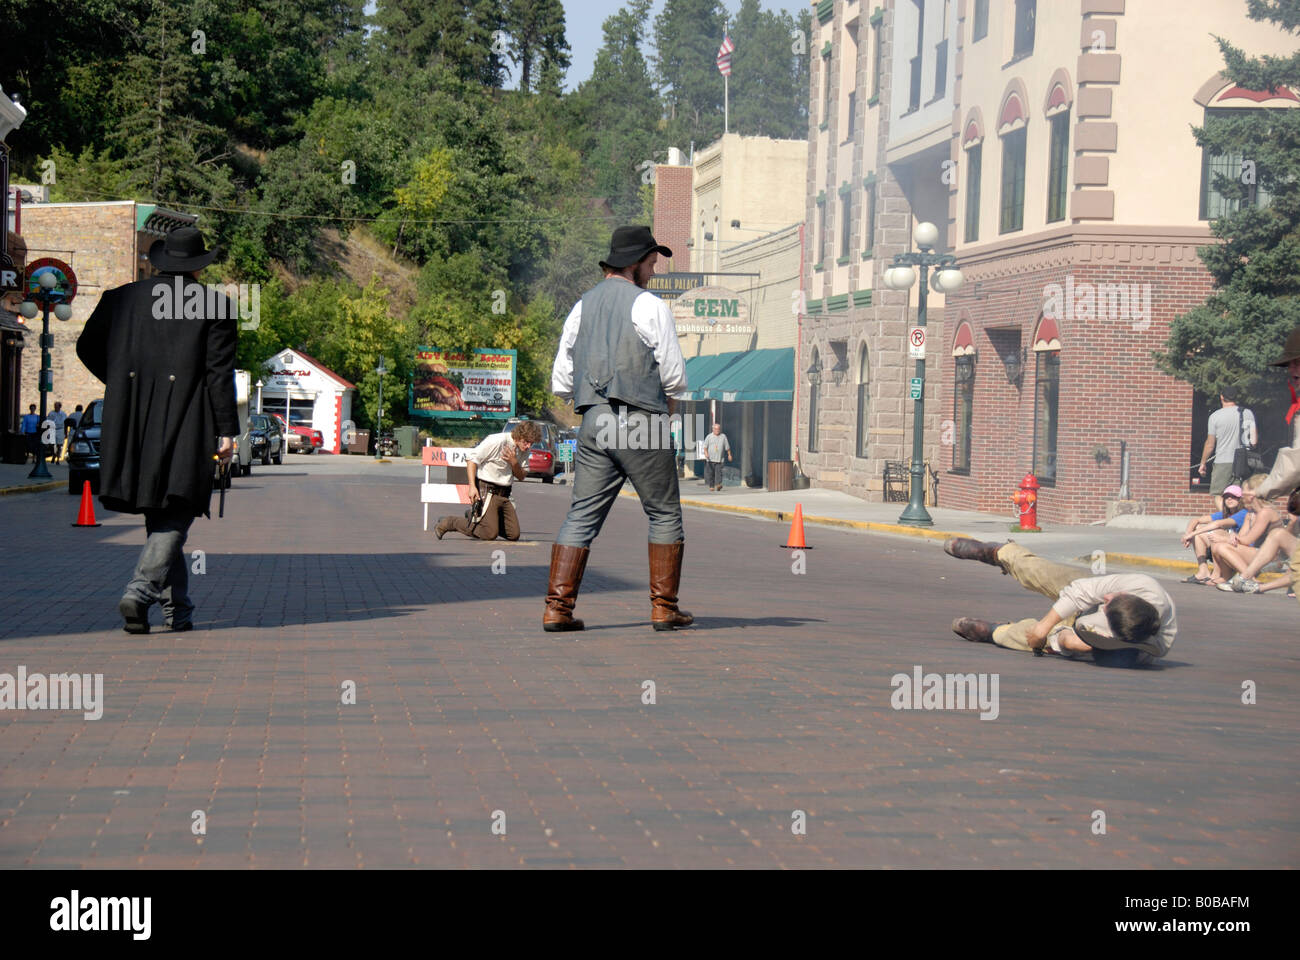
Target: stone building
{"x": 107, "y": 245}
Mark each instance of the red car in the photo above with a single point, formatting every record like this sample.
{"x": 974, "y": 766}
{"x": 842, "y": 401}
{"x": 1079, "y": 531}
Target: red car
{"x": 302, "y": 438}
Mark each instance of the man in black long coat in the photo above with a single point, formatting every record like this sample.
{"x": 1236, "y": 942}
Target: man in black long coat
{"x": 167, "y": 359}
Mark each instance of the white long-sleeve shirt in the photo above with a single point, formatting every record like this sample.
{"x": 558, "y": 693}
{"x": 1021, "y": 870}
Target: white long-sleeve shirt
{"x": 653, "y": 322}
{"x": 1089, "y": 592}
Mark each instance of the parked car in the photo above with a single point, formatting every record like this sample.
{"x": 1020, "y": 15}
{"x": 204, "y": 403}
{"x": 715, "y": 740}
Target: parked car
{"x": 302, "y": 438}
{"x": 266, "y": 439}
{"x": 83, "y": 452}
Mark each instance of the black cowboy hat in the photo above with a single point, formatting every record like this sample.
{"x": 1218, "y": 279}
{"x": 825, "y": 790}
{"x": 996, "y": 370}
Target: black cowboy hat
{"x": 1291, "y": 351}
{"x": 181, "y": 251}
{"x": 631, "y": 245}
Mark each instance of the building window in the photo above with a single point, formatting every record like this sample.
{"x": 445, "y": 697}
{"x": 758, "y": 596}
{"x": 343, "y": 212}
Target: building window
{"x": 1213, "y": 203}
{"x": 853, "y": 114}
{"x": 877, "y": 54}
{"x": 821, "y": 236}
{"x": 1047, "y": 392}
{"x": 846, "y": 207}
{"x": 980, "y": 29}
{"x": 826, "y": 89}
{"x": 914, "y": 80}
{"x": 1026, "y": 14}
{"x": 1013, "y": 181}
{"x": 864, "y": 402}
{"x": 941, "y": 58}
{"x": 974, "y": 167}
{"x": 813, "y": 382}
{"x": 869, "y": 237}
{"x": 1058, "y": 161}
{"x": 963, "y": 405}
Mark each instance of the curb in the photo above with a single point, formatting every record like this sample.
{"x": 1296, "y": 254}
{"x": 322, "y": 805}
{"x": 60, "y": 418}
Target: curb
{"x": 31, "y": 488}
{"x": 1127, "y": 559}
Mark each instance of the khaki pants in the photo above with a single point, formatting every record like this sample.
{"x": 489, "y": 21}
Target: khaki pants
{"x": 1036, "y": 574}
{"x": 500, "y": 518}
{"x": 1295, "y": 569}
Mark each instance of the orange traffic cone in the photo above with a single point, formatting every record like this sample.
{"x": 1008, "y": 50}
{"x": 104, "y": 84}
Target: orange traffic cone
{"x": 86, "y": 516}
{"x": 795, "y": 540}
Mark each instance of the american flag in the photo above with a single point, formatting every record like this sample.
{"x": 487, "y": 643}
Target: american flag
{"x": 724, "y": 56}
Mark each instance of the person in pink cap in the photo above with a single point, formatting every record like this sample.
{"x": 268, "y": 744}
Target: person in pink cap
{"x": 1204, "y": 531}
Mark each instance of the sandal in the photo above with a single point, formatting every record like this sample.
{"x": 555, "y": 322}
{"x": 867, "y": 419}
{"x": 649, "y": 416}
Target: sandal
{"x": 1195, "y": 579}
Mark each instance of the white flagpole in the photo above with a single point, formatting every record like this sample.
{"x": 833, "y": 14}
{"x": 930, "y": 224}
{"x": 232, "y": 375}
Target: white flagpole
{"x": 726, "y": 104}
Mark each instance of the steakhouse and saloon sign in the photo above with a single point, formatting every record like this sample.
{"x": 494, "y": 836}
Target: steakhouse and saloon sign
{"x": 712, "y": 310}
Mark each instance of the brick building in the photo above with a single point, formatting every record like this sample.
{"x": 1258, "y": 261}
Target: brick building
{"x": 1055, "y": 157}
{"x": 107, "y": 245}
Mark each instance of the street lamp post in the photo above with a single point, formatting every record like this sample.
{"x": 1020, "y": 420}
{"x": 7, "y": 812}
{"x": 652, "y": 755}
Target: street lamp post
{"x": 47, "y": 297}
{"x": 945, "y": 279}
{"x": 379, "y": 421}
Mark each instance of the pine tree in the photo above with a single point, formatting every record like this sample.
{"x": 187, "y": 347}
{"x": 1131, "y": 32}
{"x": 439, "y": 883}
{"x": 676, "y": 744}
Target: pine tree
{"x": 537, "y": 43}
{"x": 1229, "y": 341}
{"x": 687, "y": 36}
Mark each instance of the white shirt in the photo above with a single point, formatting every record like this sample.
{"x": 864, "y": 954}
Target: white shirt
{"x": 490, "y": 457}
{"x": 1088, "y": 593}
{"x": 653, "y": 322}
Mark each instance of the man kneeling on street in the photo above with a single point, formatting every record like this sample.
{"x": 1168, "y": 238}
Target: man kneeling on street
{"x": 1120, "y": 620}
{"x": 493, "y": 466}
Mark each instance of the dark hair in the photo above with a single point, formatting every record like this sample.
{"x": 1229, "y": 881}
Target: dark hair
{"x": 1132, "y": 618}
{"x": 1229, "y": 394}
{"x": 1293, "y": 503}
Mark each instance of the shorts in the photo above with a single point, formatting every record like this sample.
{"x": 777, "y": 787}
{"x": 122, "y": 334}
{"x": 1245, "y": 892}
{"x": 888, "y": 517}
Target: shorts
{"x": 1220, "y": 477}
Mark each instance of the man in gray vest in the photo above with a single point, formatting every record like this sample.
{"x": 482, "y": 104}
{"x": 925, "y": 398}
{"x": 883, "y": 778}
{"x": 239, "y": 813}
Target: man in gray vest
{"x": 620, "y": 362}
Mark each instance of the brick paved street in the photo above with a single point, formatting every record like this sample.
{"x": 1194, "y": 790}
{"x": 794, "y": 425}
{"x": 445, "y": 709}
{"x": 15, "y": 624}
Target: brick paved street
{"x": 777, "y": 700}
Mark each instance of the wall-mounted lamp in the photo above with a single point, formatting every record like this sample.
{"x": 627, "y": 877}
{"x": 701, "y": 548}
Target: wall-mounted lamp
{"x": 1014, "y": 361}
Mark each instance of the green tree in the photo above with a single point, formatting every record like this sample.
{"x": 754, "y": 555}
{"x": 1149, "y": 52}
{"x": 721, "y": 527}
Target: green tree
{"x": 769, "y": 81}
{"x": 688, "y": 34}
{"x": 537, "y": 43}
{"x": 1229, "y": 340}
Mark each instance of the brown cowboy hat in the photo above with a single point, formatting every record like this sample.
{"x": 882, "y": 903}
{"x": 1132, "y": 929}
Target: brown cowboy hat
{"x": 181, "y": 251}
{"x": 631, "y": 245}
{"x": 1291, "y": 351}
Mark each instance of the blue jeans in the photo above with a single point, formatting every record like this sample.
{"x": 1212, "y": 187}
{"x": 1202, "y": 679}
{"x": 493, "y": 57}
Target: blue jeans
{"x": 599, "y": 473}
{"x": 162, "y": 574}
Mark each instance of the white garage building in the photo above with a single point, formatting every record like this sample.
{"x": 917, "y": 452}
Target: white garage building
{"x": 310, "y": 393}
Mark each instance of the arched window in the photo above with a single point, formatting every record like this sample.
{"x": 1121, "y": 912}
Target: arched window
{"x": 864, "y": 400}
{"x": 814, "y": 380}
{"x": 1012, "y": 121}
{"x": 1229, "y": 180}
{"x": 963, "y": 351}
{"x": 1047, "y": 396}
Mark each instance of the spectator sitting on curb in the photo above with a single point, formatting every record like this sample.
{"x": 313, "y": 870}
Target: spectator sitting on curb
{"x": 1243, "y": 546}
{"x": 1285, "y": 474}
{"x": 1210, "y": 528}
{"x": 1280, "y": 542}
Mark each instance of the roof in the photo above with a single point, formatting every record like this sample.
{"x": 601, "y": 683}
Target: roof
{"x": 315, "y": 363}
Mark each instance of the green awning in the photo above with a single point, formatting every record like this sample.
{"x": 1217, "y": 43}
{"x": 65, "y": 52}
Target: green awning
{"x": 757, "y": 376}
{"x": 699, "y": 370}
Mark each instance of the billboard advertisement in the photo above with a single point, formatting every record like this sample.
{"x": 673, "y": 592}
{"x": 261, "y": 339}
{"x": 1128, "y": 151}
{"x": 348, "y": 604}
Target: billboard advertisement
{"x": 474, "y": 383}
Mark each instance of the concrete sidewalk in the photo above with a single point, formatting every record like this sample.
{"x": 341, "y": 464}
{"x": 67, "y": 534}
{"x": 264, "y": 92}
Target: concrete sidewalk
{"x": 1153, "y": 546}
{"x": 14, "y": 479}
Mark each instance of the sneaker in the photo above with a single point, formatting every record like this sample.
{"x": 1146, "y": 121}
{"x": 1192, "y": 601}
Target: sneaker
{"x": 1233, "y": 585}
{"x": 1249, "y": 586}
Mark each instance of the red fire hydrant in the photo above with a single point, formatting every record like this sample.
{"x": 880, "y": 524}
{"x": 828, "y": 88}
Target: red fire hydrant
{"x": 1026, "y": 498}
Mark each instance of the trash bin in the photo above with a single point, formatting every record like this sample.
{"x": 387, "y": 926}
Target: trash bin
{"x": 780, "y": 475}
{"x": 408, "y": 441}
{"x": 360, "y": 442}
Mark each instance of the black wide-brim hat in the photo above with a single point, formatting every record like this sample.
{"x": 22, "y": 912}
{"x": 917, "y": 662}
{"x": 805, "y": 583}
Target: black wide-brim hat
{"x": 181, "y": 251}
{"x": 631, "y": 245}
{"x": 1291, "y": 351}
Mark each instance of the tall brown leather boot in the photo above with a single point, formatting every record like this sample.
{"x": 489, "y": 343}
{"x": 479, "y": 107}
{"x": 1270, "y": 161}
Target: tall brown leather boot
{"x": 567, "y": 566}
{"x": 665, "y": 577}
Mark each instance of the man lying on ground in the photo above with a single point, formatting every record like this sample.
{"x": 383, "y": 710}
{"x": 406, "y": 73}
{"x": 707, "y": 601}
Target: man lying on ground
{"x": 1120, "y": 620}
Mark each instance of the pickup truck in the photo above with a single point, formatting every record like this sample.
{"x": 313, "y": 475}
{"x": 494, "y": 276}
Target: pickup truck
{"x": 300, "y": 437}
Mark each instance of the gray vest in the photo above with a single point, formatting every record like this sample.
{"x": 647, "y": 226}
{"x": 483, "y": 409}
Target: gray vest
{"x": 610, "y": 362}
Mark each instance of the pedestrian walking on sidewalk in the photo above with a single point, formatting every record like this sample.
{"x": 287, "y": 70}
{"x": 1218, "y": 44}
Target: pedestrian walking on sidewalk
{"x": 1120, "y": 620}
{"x": 620, "y": 362}
{"x": 169, "y": 411}
{"x": 493, "y": 466}
{"x": 58, "y": 418}
{"x": 31, "y": 428}
{"x": 1227, "y": 429}
{"x": 1285, "y": 475}
{"x": 715, "y": 445}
